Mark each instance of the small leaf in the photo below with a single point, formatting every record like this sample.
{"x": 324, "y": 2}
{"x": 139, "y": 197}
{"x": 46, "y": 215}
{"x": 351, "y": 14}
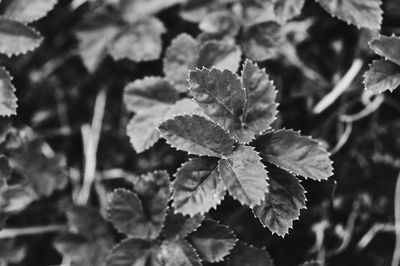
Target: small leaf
{"x": 361, "y": 13}
{"x": 213, "y": 241}
{"x": 244, "y": 176}
{"x": 16, "y": 198}
{"x": 286, "y": 9}
{"x": 132, "y": 9}
{"x": 27, "y": 11}
{"x": 139, "y": 41}
{"x": 198, "y": 186}
{"x": 178, "y": 225}
{"x": 387, "y": 47}
{"x": 17, "y": 38}
{"x": 220, "y": 22}
{"x": 244, "y": 254}
{"x": 282, "y": 203}
{"x": 8, "y": 100}
{"x": 382, "y": 76}
{"x": 196, "y": 135}
{"x": 178, "y": 253}
{"x": 295, "y": 153}
{"x": 219, "y": 55}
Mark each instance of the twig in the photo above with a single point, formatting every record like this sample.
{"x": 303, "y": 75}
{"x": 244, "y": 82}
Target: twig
{"x": 377, "y": 228}
{"x": 14, "y": 232}
{"x": 340, "y": 87}
{"x": 369, "y": 109}
{"x": 343, "y": 138}
{"x": 396, "y": 255}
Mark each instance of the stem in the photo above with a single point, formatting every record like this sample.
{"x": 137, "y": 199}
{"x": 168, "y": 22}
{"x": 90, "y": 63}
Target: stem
{"x": 14, "y": 232}
{"x": 396, "y": 255}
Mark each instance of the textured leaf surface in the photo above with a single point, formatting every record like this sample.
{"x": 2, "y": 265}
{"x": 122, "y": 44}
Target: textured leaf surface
{"x": 132, "y": 9}
{"x": 140, "y": 41}
{"x": 219, "y": 55}
{"x": 27, "y": 11}
{"x": 17, "y": 38}
{"x": 178, "y": 225}
{"x": 8, "y": 100}
{"x": 362, "y": 13}
{"x": 213, "y": 241}
{"x": 178, "y": 253}
{"x": 282, "y": 203}
{"x": 244, "y": 176}
{"x": 382, "y": 76}
{"x": 196, "y": 135}
{"x": 388, "y": 47}
{"x": 244, "y": 254}
{"x": 198, "y": 186}
{"x": 295, "y": 153}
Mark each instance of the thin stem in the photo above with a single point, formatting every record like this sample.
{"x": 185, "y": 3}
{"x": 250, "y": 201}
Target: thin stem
{"x": 396, "y": 255}
{"x": 372, "y": 232}
{"x": 14, "y": 232}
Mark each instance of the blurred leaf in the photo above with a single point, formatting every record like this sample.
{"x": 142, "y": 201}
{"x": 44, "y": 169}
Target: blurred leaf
{"x": 244, "y": 254}
{"x": 312, "y": 263}
{"x": 178, "y": 225}
{"x": 286, "y": 9}
{"x": 382, "y": 76}
{"x": 11, "y": 252}
{"x": 387, "y": 47}
{"x": 16, "y": 198}
{"x": 219, "y": 55}
{"x": 5, "y": 172}
{"x": 8, "y": 100}
{"x": 196, "y": 10}
{"x": 178, "y": 253}
{"x": 220, "y": 22}
{"x": 27, "y": 11}
{"x": 132, "y": 9}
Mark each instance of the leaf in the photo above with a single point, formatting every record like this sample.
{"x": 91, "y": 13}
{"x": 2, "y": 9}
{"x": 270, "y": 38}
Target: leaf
{"x": 16, "y": 198}
{"x": 285, "y": 10}
{"x": 198, "y": 186}
{"x": 139, "y": 41}
{"x": 361, "y": 13}
{"x": 8, "y": 100}
{"x": 244, "y": 176}
{"x": 312, "y": 263}
{"x": 221, "y": 22}
{"x": 213, "y": 241}
{"x": 180, "y": 57}
{"x": 195, "y": 10}
{"x": 182, "y": 107}
{"x": 178, "y": 225}
{"x": 382, "y": 76}
{"x": 244, "y": 254}
{"x": 295, "y": 153}
{"x": 282, "y": 204}
{"x": 27, "y": 11}
{"x": 220, "y": 95}
{"x": 387, "y": 47}
{"x": 5, "y": 172}
{"x": 219, "y": 55}
{"x": 178, "y": 253}
{"x": 196, "y": 135}
{"x": 17, "y": 38}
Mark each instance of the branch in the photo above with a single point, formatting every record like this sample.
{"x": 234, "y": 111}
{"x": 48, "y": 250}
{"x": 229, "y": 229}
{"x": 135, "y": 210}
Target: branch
{"x": 14, "y": 232}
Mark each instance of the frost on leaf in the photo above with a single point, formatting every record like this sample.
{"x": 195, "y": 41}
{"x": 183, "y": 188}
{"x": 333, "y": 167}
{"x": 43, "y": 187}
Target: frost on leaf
{"x": 387, "y": 47}
{"x": 132, "y": 9}
{"x": 139, "y": 41}
{"x": 219, "y": 55}
{"x": 198, "y": 186}
{"x": 178, "y": 252}
{"x": 295, "y": 153}
{"x": 244, "y": 176}
{"x": 213, "y": 241}
{"x": 361, "y": 13}
{"x": 179, "y": 225}
{"x": 196, "y": 135}
{"x": 17, "y": 38}
{"x": 282, "y": 204}
{"x": 382, "y": 76}
{"x": 27, "y": 11}
{"x": 8, "y": 100}
{"x": 244, "y": 254}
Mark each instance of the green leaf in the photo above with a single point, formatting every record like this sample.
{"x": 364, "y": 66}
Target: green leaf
{"x": 27, "y": 11}
{"x": 198, "y": 186}
{"x": 221, "y": 22}
{"x": 17, "y": 38}
{"x": 139, "y": 41}
{"x": 244, "y": 254}
{"x": 8, "y": 100}
{"x": 387, "y": 47}
{"x": 382, "y": 76}
{"x": 178, "y": 225}
{"x": 361, "y": 13}
{"x": 196, "y": 135}
{"x": 132, "y": 9}
{"x": 282, "y": 204}
{"x": 295, "y": 153}
{"x": 219, "y": 55}
{"x": 178, "y": 253}
{"x": 244, "y": 176}
{"x": 213, "y": 241}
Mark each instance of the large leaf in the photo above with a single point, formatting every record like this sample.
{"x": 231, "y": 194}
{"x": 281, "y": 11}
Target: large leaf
{"x": 388, "y": 47}
{"x": 244, "y": 254}
{"x": 17, "y": 38}
{"x": 282, "y": 203}
{"x": 178, "y": 225}
{"x": 362, "y": 13}
{"x": 219, "y": 55}
{"x": 382, "y": 76}
{"x": 198, "y": 186}
{"x": 213, "y": 241}
{"x": 8, "y": 100}
{"x": 139, "y": 41}
{"x": 178, "y": 253}
{"x": 196, "y": 135}
{"x": 132, "y": 9}
{"x": 244, "y": 176}
{"x": 27, "y": 11}
{"x": 295, "y": 153}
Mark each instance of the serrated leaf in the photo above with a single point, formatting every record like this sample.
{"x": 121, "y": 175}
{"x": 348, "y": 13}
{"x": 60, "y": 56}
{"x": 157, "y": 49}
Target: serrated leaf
{"x": 244, "y": 254}
{"x": 213, "y": 241}
{"x": 221, "y": 22}
{"x": 196, "y": 135}
{"x": 387, "y": 47}
{"x": 219, "y": 55}
{"x": 361, "y": 13}
{"x": 282, "y": 204}
{"x": 382, "y": 76}
{"x": 132, "y": 9}
{"x": 17, "y": 38}
{"x": 244, "y": 176}
{"x": 139, "y": 41}
{"x": 198, "y": 186}
{"x": 295, "y": 153}
{"x": 178, "y": 253}
{"x": 178, "y": 225}
{"x": 8, "y": 100}
{"x": 27, "y": 11}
